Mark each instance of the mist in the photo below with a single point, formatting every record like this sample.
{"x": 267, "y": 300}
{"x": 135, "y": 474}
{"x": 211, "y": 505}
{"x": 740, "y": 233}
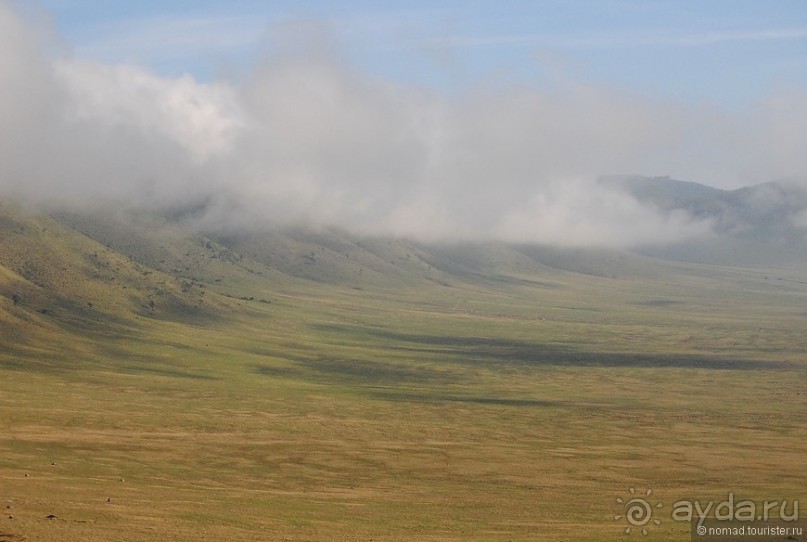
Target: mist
{"x": 308, "y": 139}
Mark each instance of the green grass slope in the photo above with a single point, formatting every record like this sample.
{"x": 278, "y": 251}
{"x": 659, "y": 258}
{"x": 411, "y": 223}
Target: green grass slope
{"x": 386, "y": 390}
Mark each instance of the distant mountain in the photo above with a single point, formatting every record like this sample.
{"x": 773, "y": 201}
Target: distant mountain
{"x": 760, "y": 224}
{"x": 108, "y": 266}
{"x": 73, "y": 274}
{"x": 70, "y": 275}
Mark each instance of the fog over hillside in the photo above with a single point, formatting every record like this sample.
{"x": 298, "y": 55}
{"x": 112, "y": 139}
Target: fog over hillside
{"x": 760, "y": 224}
{"x": 306, "y": 138}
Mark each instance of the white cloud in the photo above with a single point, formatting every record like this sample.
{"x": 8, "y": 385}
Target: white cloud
{"x": 309, "y": 139}
{"x": 201, "y": 118}
{"x": 563, "y": 217}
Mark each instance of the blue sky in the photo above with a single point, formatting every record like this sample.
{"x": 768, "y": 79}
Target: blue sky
{"x": 723, "y": 52}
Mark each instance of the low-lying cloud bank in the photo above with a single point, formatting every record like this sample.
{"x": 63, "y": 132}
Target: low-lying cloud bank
{"x": 307, "y": 139}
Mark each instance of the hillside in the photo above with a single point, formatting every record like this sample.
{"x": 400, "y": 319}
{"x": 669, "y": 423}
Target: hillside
{"x": 162, "y": 383}
{"x": 753, "y": 225}
{"x": 74, "y": 271}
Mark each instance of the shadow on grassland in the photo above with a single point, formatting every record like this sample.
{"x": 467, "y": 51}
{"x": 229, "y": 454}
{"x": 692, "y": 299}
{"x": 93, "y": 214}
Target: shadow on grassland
{"x": 438, "y": 398}
{"x": 509, "y": 352}
{"x": 384, "y": 381}
{"x": 358, "y": 371}
{"x": 105, "y": 357}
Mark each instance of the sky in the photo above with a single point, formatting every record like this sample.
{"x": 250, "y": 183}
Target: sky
{"x": 425, "y": 119}
{"x": 728, "y": 52}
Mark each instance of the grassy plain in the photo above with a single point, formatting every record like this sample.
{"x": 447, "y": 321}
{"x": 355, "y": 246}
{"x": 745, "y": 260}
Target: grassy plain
{"x": 512, "y": 407}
